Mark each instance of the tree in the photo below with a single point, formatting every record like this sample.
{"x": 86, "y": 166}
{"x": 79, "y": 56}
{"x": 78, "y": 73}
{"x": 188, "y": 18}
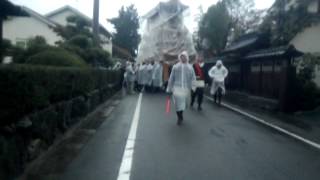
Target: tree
{"x": 76, "y": 26}
{"x": 214, "y": 28}
{"x": 244, "y": 16}
{"x": 283, "y": 24}
{"x": 36, "y": 41}
{"x": 78, "y": 39}
{"x": 126, "y": 26}
{"x": 35, "y": 45}
{"x": 195, "y": 35}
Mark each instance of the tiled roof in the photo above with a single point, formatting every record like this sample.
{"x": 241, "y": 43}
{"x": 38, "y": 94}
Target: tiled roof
{"x": 38, "y": 16}
{"x": 243, "y": 42}
{"x": 276, "y": 51}
{"x": 69, "y": 8}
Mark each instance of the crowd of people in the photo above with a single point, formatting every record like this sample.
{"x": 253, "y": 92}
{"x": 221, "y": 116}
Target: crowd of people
{"x": 147, "y": 76}
{"x": 186, "y": 83}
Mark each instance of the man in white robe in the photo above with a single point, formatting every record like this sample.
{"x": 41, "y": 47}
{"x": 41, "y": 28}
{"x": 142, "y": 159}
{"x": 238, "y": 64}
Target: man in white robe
{"x": 142, "y": 76}
{"x": 218, "y": 73}
{"x": 149, "y": 72}
{"x": 130, "y": 77}
{"x": 157, "y": 79}
{"x": 180, "y": 84}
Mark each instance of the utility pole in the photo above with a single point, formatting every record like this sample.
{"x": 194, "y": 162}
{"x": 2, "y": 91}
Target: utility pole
{"x": 96, "y": 25}
{"x": 281, "y": 20}
{"x": 1, "y": 39}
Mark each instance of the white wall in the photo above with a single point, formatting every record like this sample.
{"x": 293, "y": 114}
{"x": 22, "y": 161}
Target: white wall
{"x": 308, "y": 41}
{"x": 313, "y": 7}
{"x": 107, "y": 47}
{"x": 27, "y": 27}
{"x": 106, "y": 43}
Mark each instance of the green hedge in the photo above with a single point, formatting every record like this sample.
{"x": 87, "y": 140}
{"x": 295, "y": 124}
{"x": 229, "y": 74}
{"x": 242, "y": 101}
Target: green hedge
{"x": 56, "y": 57}
{"x": 26, "y": 88}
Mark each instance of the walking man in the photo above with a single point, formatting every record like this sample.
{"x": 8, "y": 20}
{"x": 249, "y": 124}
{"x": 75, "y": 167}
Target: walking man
{"x": 218, "y": 73}
{"x": 157, "y": 77}
{"x": 130, "y": 77}
{"x": 149, "y": 72}
{"x": 198, "y": 85}
{"x": 180, "y": 83}
{"x": 142, "y": 76}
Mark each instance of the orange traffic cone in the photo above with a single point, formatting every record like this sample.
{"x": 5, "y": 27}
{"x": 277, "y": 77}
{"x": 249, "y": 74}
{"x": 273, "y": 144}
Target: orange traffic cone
{"x": 168, "y": 104}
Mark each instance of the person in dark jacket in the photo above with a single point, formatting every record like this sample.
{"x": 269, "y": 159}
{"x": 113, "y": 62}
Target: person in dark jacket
{"x": 198, "y": 85}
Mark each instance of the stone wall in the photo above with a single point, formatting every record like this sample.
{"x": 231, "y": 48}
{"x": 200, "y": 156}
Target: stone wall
{"x": 24, "y": 141}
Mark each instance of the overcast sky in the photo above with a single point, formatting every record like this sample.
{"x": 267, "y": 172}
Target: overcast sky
{"x": 109, "y": 8}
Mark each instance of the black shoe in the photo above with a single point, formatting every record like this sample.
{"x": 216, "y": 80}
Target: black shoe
{"x": 180, "y": 117}
{"x": 179, "y": 122}
{"x": 199, "y": 108}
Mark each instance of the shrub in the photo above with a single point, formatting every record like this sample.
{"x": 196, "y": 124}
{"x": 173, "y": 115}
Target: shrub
{"x": 56, "y": 57}
{"x": 6, "y": 46}
{"x": 36, "y": 41}
{"x": 94, "y": 56}
{"x": 303, "y": 93}
{"x": 99, "y": 57}
{"x": 74, "y": 49}
{"x": 81, "y": 41}
{"x": 26, "y": 88}
{"x": 34, "y": 45}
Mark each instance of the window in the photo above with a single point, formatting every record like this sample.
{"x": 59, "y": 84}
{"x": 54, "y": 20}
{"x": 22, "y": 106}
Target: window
{"x": 255, "y": 67}
{"x": 22, "y": 43}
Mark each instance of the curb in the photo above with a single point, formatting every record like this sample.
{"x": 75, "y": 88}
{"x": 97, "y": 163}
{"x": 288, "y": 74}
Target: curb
{"x": 270, "y": 125}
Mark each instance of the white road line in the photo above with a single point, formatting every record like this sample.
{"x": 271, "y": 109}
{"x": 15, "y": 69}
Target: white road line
{"x": 295, "y": 136}
{"x": 126, "y": 163}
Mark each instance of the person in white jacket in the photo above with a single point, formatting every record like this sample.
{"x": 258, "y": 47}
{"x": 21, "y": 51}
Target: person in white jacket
{"x": 157, "y": 80}
{"x": 130, "y": 77}
{"x": 218, "y": 73}
{"x": 142, "y": 79}
{"x": 180, "y": 84}
{"x": 149, "y": 76}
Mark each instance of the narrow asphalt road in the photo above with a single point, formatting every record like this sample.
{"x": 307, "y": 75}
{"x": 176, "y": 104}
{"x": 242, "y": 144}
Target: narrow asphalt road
{"x": 212, "y": 144}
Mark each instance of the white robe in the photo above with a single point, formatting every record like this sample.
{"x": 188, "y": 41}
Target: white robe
{"x": 143, "y": 79}
{"x": 149, "y": 74}
{"x": 218, "y": 76}
{"x": 130, "y": 74}
{"x": 157, "y": 75}
{"x": 180, "y": 83}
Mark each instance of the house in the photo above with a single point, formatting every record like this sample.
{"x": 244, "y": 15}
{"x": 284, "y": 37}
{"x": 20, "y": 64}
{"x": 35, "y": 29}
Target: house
{"x": 258, "y": 71}
{"x": 265, "y": 72}
{"x": 60, "y": 15}
{"x": 10, "y": 10}
{"x": 19, "y": 29}
{"x": 308, "y": 40}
